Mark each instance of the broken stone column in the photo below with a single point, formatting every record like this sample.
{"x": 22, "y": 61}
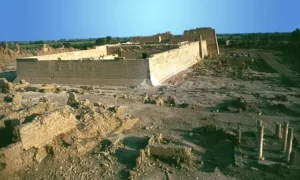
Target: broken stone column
{"x": 278, "y": 133}
{"x": 159, "y": 100}
{"x": 258, "y": 124}
{"x": 239, "y": 136}
{"x": 285, "y": 136}
{"x": 289, "y": 144}
{"x": 260, "y": 135}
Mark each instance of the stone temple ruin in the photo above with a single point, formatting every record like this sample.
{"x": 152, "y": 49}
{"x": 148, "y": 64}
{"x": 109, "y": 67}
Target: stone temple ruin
{"x": 152, "y": 59}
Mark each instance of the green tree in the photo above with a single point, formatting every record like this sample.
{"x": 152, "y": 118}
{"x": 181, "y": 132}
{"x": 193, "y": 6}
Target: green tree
{"x": 100, "y": 41}
{"x": 67, "y": 45}
{"x": 108, "y": 39}
{"x": 296, "y": 35}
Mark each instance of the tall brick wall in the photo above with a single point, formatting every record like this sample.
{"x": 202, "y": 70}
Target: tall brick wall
{"x": 166, "y": 64}
{"x": 177, "y": 39}
{"x": 90, "y": 72}
{"x": 207, "y": 34}
{"x": 165, "y": 36}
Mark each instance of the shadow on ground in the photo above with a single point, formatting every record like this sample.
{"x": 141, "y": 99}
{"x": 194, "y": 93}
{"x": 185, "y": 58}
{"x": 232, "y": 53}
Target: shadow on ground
{"x": 218, "y": 144}
{"x": 9, "y": 75}
{"x": 127, "y": 155}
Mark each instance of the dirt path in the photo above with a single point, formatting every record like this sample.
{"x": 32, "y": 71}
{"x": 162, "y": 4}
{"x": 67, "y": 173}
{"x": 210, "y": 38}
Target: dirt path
{"x": 288, "y": 74}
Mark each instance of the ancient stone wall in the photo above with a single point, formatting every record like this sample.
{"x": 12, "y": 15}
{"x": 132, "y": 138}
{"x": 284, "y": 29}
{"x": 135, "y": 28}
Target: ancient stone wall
{"x": 89, "y": 72}
{"x": 41, "y": 132}
{"x": 131, "y": 71}
{"x": 203, "y": 47}
{"x": 131, "y": 54}
{"x": 207, "y": 34}
{"x": 112, "y": 50}
{"x": 164, "y": 36}
{"x": 166, "y": 64}
{"x": 177, "y": 39}
{"x": 92, "y": 53}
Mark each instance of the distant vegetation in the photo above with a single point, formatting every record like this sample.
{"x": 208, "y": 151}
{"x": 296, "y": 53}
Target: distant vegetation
{"x": 81, "y": 44}
{"x": 276, "y": 41}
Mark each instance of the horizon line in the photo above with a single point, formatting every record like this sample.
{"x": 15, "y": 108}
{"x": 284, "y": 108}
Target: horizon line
{"x": 94, "y": 38}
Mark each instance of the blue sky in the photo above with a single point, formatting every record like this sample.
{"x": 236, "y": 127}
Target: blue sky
{"x": 23, "y": 20}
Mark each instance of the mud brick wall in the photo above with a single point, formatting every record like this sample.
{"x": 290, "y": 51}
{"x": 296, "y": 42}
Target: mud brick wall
{"x": 145, "y": 39}
{"x": 166, "y": 64}
{"x": 43, "y": 130}
{"x": 178, "y": 39}
{"x": 86, "y": 72}
{"x": 112, "y": 50}
{"x": 165, "y": 36}
{"x": 138, "y": 54}
{"x": 207, "y": 34}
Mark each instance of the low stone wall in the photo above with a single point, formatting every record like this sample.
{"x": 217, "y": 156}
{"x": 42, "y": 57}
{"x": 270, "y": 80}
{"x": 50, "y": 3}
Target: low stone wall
{"x": 92, "y": 53}
{"x": 131, "y": 54}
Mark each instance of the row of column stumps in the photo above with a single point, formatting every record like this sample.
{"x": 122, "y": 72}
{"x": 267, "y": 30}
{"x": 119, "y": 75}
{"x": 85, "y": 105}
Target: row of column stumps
{"x": 287, "y": 136}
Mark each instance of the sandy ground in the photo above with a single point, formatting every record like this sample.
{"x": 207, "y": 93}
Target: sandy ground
{"x": 207, "y": 94}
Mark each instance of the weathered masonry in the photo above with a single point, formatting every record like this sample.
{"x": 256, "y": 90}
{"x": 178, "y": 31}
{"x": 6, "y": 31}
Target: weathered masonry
{"x": 191, "y": 35}
{"x": 121, "y": 64}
